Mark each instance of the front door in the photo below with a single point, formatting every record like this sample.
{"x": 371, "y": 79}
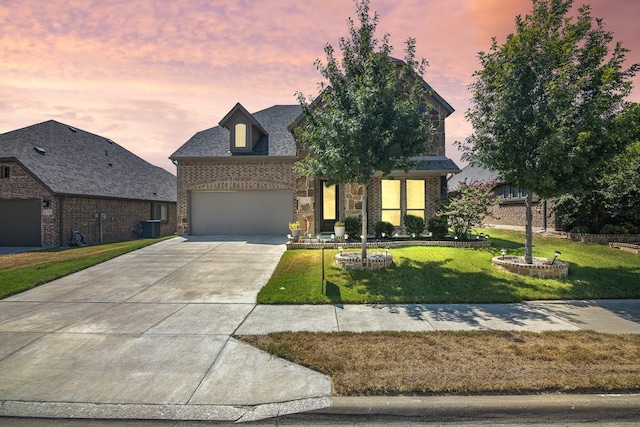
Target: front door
{"x": 329, "y": 206}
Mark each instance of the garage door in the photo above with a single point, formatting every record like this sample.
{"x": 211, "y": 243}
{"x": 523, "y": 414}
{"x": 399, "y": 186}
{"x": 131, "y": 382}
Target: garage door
{"x": 240, "y": 212}
{"x": 20, "y": 222}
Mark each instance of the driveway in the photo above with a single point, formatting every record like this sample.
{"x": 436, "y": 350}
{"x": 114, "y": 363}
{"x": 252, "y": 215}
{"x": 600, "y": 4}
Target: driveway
{"x": 147, "y": 335}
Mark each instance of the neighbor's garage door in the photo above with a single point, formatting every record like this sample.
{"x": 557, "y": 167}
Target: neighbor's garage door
{"x": 20, "y": 222}
{"x": 240, "y": 212}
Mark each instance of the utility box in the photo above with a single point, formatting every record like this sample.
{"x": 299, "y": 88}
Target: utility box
{"x": 150, "y": 228}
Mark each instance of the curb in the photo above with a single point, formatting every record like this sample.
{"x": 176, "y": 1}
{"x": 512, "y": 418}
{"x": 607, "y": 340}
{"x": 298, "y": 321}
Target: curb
{"x": 542, "y": 407}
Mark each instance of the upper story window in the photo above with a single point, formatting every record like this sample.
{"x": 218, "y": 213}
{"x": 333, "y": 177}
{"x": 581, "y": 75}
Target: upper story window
{"x": 240, "y": 135}
{"x": 5, "y": 172}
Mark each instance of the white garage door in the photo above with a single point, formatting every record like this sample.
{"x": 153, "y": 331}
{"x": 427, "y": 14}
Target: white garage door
{"x": 240, "y": 212}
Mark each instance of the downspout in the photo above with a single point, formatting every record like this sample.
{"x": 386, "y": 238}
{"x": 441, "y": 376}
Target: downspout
{"x": 61, "y": 218}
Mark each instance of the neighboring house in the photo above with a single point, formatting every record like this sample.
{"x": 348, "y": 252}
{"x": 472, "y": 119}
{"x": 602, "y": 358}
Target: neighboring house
{"x": 510, "y": 210}
{"x": 55, "y": 178}
{"x": 238, "y": 178}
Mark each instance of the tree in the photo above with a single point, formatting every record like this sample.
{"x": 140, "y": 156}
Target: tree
{"x": 468, "y": 205}
{"x": 367, "y": 118}
{"x": 544, "y": 103}
{"x": 616, "y": 196}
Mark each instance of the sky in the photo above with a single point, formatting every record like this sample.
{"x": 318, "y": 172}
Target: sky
{"x": 149, "y": 74}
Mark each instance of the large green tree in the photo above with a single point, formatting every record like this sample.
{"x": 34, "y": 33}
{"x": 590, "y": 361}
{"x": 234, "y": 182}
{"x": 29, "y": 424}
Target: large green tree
{"x": 366, "y": 118}
{"x": 544, "y": 103}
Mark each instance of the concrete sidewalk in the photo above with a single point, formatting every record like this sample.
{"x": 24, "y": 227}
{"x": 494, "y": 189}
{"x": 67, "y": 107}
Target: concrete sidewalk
{"x": 148, "y": 335}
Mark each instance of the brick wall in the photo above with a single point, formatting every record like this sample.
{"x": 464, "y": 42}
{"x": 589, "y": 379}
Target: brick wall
{"x": 232, "y": 174}
{"x": 79, "y": 212}
{"x": 513, "y": 214}
{"x": 122, "y": 218}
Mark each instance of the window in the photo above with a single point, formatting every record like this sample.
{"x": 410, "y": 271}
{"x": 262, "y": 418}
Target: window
{"x": 240, "y": 137}
{"x": 402, "y": 196}
{"x": 328, "y": 201}
{"x": 415, "y": 197}
{"x": 391, "y": 201}
{"x": 5, "y": 172}
{"x": 160, "y": 211}
{"x": 515, "y": 192}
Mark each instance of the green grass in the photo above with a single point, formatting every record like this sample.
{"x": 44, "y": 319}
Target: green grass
{"x": 22, "y": 271}
{"x": 425, "y": 274}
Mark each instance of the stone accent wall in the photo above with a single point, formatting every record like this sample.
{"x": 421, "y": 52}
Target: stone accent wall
{"x": 78, "y": 212}
{"x": 242, "y": 173}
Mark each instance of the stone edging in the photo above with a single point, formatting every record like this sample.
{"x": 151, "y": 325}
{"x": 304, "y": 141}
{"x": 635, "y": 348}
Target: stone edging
{"x": 627, "y": 247}
{"x": 601, "y": 239}
{"x": 541, "y": 267}
{"x": 353, "y": 261}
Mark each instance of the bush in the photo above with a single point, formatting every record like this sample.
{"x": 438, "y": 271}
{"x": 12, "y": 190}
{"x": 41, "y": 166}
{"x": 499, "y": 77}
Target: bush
{"x": 413, "y": 225}
{"x": 383, "y": 227}
{"x": 353, "y": 226}
{"x": 438, "y": 227}
{"x": 579, "y": 229}
{"x": 614, "y": 229}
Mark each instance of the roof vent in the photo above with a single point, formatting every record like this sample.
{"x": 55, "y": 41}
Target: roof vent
{"x": 72, "y": 129}
{"x": 40, "y": 150}
{"x": 109, "y": 141}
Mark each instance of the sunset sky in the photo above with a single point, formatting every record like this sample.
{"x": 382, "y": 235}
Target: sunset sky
{"x": 149, "y": 74}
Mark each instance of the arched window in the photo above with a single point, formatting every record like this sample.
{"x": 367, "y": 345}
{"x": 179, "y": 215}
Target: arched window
{"x": 240, "y": 137}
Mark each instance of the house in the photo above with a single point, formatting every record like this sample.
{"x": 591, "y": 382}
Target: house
{"x": 55, "y": 178}
{"x": 510, "y": 210}
{"x": 238, "y": 178}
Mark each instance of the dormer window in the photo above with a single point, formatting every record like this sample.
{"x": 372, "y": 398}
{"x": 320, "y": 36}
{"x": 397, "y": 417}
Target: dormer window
{"x": 240, "y": 135}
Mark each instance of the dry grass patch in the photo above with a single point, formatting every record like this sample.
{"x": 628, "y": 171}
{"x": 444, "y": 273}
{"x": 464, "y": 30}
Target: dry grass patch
{"x": 388, "y": 363}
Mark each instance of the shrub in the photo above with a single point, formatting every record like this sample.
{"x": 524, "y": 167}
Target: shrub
{"x": 438, "y": 227}
{"x": 613, "y": 229}
{"x": 413, "y": 225}
{"x": 467, "y": 207}
{"x": 353, "y": 226}
{"x": 383, "y": 227}
{"x": 579, "y": 229}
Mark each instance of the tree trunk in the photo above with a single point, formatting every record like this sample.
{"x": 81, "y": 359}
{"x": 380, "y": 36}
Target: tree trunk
{"x": 364, "y": 221}
{"x": 528, "y": 240}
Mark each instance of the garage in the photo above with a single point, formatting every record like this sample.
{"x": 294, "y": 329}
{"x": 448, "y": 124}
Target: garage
{"x": 240, "y": 212}
{"x": 20, "y": 222}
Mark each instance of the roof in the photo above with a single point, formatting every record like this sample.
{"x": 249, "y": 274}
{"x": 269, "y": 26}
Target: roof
{"x": 215, "y": 142}
{"x": 76, "y": 162}
{"x": 435, "y": 164}
{"x": 470, "y": 174}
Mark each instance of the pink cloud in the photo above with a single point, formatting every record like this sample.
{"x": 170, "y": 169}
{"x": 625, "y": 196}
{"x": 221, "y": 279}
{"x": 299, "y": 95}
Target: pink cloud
{"x": 151, "y": 73}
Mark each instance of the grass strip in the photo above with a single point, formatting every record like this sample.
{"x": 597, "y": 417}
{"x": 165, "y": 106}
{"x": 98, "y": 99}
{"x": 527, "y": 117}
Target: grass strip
{"x": 463, "y": 363}
{"x": 22, "y": 271}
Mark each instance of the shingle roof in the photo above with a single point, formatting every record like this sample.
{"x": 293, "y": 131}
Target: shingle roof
{"x": 76, "y": 162}
{"x": 215, "y": 142}
{"x": 470, "y": 174}
{"x": 435, "y": 163}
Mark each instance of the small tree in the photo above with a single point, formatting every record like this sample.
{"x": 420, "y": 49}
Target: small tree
{"x": 544, "y": 104}
{"x": 468, "y": 206}
{"x": 367, "y": 118}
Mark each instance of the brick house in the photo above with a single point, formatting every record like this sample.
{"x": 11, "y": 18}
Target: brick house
{"x": 55, "y": 178}
{"x": 510, "y": 209}
{"x": 238, "y": 178}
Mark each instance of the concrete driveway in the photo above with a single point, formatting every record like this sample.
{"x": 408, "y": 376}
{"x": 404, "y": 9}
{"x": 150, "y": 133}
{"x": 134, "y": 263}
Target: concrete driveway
{"x": 147, "y": 335}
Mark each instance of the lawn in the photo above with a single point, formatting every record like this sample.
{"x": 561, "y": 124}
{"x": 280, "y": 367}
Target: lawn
{"x": 478, "y": 362}
{"x": 426, "y": 274}
{"x": 22, "y": 271}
